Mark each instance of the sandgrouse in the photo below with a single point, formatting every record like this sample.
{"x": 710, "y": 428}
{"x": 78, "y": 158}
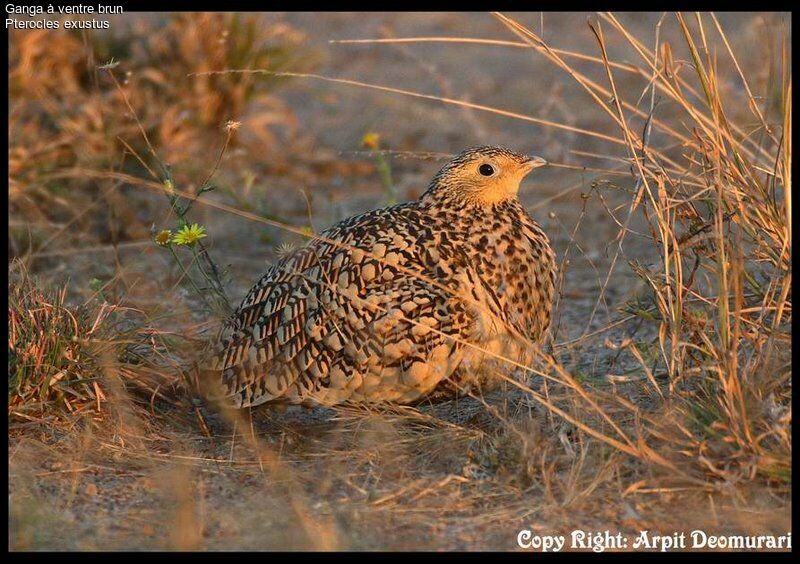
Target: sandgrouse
{"x": 399, "y": 302}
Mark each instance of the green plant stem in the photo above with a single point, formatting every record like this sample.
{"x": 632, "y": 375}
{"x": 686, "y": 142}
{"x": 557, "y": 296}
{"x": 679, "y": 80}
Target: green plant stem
{"x": 386, "y": 178}
{"x": 186, "y": 274}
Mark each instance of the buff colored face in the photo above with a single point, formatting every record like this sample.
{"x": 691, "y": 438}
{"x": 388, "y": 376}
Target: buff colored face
{"x": 494, "y": 178}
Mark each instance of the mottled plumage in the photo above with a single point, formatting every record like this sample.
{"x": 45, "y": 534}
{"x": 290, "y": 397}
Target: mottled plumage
{"x": 382, "y": 306}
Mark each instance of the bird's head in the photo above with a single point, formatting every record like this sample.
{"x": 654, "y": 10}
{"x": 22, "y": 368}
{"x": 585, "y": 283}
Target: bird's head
{"x": 483, "y": 176}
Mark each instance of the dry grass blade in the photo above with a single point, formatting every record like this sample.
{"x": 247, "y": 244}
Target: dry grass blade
{"x": 451, "y": 101}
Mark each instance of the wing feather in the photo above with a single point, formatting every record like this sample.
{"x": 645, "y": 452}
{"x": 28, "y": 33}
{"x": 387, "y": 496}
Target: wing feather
{"x": 359, "y": 313}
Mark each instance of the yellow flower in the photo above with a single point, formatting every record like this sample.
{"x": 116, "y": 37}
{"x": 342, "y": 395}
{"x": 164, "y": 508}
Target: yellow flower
{"x": 371, "y": 140}
{"x": 163, "y": 237}
{"x": 189, "y": 234}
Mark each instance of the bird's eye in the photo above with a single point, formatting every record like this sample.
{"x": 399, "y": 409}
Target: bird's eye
{"x": 486, "y": 169}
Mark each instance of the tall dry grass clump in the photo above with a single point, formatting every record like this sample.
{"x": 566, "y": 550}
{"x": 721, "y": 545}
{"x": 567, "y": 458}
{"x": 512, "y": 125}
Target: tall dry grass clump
{"x": 53, "y": 365}
{"x": 721, "y": 222}
{"x": 72, "y": 128}
{"x": 716, "y": 202}
{"x": 70, "y": 361}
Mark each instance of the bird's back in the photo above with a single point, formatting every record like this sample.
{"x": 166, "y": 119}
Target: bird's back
{"x": 367, "y": 311}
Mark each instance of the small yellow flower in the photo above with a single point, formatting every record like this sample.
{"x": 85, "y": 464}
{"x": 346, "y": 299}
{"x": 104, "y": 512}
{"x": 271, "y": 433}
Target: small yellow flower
{"x": 189, "y": 234}
{"x": 163, "y": 237}
{"x": 169, "y": 186}
{"x": 371, "y": 140}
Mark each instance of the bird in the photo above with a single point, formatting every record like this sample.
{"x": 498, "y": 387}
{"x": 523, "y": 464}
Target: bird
{"x": 397, "y": 304}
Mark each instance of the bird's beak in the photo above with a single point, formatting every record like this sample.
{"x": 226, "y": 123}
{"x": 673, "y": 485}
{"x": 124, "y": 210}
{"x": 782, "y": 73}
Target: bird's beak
{"x": 533, "y": 162}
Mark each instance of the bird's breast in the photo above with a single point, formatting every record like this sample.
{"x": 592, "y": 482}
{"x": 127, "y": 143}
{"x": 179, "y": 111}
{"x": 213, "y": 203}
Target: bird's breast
{"x": 513, "y": 275}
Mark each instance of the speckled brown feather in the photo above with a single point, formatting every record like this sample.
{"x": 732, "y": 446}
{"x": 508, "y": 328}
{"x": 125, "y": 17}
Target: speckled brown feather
{"x": 380, "y": 306}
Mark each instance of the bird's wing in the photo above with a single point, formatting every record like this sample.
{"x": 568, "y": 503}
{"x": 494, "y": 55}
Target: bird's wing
{"x": 364, "y": 312}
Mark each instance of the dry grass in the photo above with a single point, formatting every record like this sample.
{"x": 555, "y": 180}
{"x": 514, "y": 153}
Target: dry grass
{"x": 50, "y": 366}
{"x": 70, "y": 118}
{"x": 674, "y": 400}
